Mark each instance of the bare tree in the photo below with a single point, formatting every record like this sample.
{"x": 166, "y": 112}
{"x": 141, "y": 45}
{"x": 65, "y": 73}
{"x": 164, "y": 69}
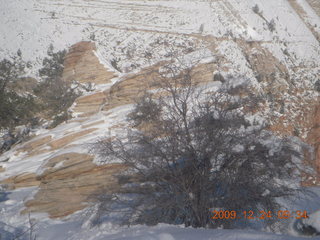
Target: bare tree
{"x": 193, "y": 149}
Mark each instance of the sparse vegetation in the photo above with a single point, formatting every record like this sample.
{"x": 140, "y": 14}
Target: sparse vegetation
{"x": 272, "y": 25}
{"x": 92, "y": 36}
{"x": 52, "y": 65}
{"x": 22, "y": 99}
{"x": 317, "y": 85}
{"x": 286, "y": 52}
{"x": 15, "y": 108}
{"x": 55, "y": 94}
{"x": 115, "y": 63}
{"x": 195, "y": 151}
{"x": 256, "y": 9}
{"x": 218, "y": 77}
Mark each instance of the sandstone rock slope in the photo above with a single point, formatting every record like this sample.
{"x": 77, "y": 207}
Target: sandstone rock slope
{"x": 125, "y": 44}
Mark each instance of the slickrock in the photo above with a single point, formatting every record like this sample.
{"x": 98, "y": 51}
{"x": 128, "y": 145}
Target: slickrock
{"x": 314, "y": 137}
{"x": 127, "y": 90}
{"x": 315, "y": 5}
{"x": 262, "y": 62}
{"x": 35, "y": 144}
{"x": 309, "y": 120}
{"x": 82, "y": 65}
{"x": 90, "y": 104}
{"x": 21, "y": 181}
{"x": 69, "y": 182}
{"x": 62, "y": 142}
{"x": 92, "y": 124}
{"x": 303, "y": 15}
{"x": 131, "y": 87}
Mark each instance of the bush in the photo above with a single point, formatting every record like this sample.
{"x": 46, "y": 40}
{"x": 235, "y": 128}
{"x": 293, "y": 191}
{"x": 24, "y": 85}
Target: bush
{"x": 115, "y": 64}
{"x": 218, "y": 77}
{"x": 256, "y": 9}
{"x": 199, "y": 153}
{"x": 272, "y": 25}
{"x": 60, "y": 118}
{"x": 317, "y": 85}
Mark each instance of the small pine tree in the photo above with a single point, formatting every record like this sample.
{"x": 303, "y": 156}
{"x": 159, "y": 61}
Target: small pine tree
{"x": 272, "y": 25}
{"x": 55, "y": 94}
{"x": 317, "y": 85}
{"x": 256, "y": 9}
{"x": 15, "y": 108}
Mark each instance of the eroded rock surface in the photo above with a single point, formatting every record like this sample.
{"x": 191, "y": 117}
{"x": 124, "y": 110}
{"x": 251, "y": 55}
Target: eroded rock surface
{"x": 69, "y": 182}
{"x": 68, "y": 177}
{"x": 82, "y": 65}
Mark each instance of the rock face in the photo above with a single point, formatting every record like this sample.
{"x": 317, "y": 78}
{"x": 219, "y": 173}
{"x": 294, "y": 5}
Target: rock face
{"x": 67, "y": 178}
{"x": 88, "y": 105}
{"x": 303, "y": 15}
{"x": 316, "y": 5}
{"x": 62, "y": 167}
{"x": 314, "y": 138}
{"x": 282, "y": 63}
{"x": 21, "y": 181}
{"x": 133, "y": 85}
{"x": 69, "y": 182}
{"x": 61, "y": 142}
{"x": 307, "y": 118}
{"x": 82, "y": 65}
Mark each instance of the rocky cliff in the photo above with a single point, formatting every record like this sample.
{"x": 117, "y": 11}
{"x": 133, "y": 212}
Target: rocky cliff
{"x": 281, "y": 64}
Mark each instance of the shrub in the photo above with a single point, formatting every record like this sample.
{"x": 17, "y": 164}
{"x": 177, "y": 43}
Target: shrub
{"x": 199, "y": 153}
{"x": 256, "y": 9}
{"x": 317, "y": 85}
{"x": 272, "y": 25}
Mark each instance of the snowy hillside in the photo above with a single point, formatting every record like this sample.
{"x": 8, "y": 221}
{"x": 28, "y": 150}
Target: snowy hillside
{"x": 274, "y": 45}
{"x": 121, "y": 26}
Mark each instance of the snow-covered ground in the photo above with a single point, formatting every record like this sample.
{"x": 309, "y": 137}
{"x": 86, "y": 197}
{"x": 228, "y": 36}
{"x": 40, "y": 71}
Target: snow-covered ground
{"x": 128, "y": 28}
{"x": 125, "y": 31}
{"x": 75, "y": 227}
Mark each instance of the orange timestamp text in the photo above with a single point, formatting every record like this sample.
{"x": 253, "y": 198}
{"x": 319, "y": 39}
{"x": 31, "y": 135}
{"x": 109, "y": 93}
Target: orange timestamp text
{"x": 252, "y": 215}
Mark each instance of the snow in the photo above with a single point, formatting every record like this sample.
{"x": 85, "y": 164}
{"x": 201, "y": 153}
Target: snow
{"x": 311, "y": 16}
{"x": 73, "y": 228}
{"x": 314, "y": 220}
{"x": 78, "y": 227}
{"x": 17, "y": 163}
{"x": 125, "y": 30}
{"x": 136, "y": 26}
{"x": 71, "y": 231}
{"x": 168, "y": 232}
